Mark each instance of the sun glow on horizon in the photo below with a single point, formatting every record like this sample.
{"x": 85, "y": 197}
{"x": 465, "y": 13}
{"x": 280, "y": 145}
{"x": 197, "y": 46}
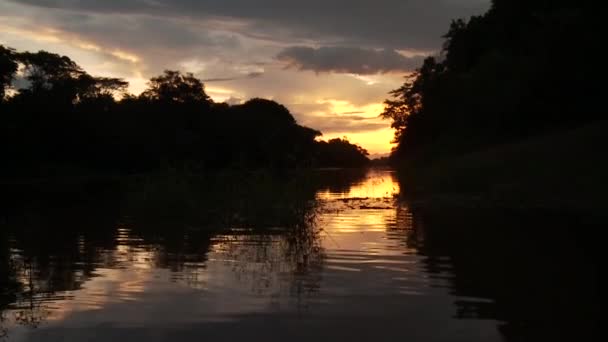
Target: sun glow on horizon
{"x": 361, "y": 124}
{"x": 376, "y": 141}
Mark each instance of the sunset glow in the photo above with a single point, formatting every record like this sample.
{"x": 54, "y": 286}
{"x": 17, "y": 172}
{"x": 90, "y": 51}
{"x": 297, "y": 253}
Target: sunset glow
{"x": 332, "y": 80}
{"x": 276, "y": 170}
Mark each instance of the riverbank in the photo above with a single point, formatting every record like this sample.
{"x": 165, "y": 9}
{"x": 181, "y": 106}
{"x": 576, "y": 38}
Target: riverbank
{"x": 177, "y": 197}
{"x": 561, "y": 171}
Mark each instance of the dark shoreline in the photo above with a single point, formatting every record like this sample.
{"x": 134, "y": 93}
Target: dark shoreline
{"x": 562, "y": 171}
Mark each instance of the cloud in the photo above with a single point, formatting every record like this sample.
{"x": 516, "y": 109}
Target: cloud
{"x": 332, "y": 117}
{"x": 227, "y": 34}
{"x": 344, "y": 54}
{"x": 348, "y": 60}
{"x": 416, "y": 24}
{"x": 250, "y": 75}
{"x": 334, "y": 123}
{"x": 303, "y": 90}
{"x": 234, "y": 101}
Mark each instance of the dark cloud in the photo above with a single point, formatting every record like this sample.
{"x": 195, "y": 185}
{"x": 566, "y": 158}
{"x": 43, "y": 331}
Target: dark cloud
{"x": 357, "y": 118}
{"x": 144, "y": 33}
{"x": 235, "y": 78}
{"x": 415, "y": 24}
{"x": 347, "y": 60}
{"x": 338, "y": 124}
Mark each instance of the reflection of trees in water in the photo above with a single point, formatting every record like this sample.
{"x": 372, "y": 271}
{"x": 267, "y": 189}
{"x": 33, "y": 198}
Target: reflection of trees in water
{"x": 339, "y": 181}
{"x": 257, "y": 199}
{"x": 6, "y": 285}
{"x": 38, "y": 263}
{"x": 30, "y": 308}
{"x": 3, "y": 329}
{"x": 293, "y": 257}
{"x": 58, "y": 243}
{"x": 23, "y": 292}
{"x": 525, "y": 270}
{"x": 285, "y": 264}
{"x": 305, "y": 255}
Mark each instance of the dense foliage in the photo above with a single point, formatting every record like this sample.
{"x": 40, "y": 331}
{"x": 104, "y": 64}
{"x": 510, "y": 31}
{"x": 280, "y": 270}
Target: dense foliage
{"x": 63, "y": 120}
{"x": 341, "y": 153}
{"x": 521, "y": 69}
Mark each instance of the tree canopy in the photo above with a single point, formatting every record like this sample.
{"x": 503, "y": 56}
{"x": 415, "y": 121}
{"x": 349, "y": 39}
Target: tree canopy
{"x": 64, "y": 120}
{"x": 175, "y": 87}
{"x": 522, "y": 68}
{"x": 8, "y": 68}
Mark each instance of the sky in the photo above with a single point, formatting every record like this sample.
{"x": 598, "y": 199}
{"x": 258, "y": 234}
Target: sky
{"x": 331, "y": 62}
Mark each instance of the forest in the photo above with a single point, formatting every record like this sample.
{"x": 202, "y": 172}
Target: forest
{"x": 522, "y": 69}
{"x": 56, "y": 119}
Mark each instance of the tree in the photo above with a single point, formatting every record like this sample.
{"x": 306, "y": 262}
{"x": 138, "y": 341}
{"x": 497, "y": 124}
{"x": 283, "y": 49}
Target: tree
{"x": 341, "y": 153}
{"x": 8, "y": 68}
{"x": 175, "y": 87}
{"x": 268, "y": 112}
{"x": 66, "y": 120}
{"x": 409, "y": 102}
{"x": 47, "y": 71}
{"x": 498, "y": 80}
{"x": 94, "y": 87}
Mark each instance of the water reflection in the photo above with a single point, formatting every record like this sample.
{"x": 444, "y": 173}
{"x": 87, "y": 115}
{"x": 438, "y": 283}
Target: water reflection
{"x": 356, "y": 263}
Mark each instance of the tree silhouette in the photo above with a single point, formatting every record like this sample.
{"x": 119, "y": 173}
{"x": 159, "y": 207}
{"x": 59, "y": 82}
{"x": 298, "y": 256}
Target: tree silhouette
{"x": 8, "y": 68}
{"x": 497, "y": 80}
{"x": 49, "y": 71}
{"x": 340, "y": 152}
{"x": 92, "y": 88}
{"x": 174, "y": 86}
{"x": 64, "y": 121}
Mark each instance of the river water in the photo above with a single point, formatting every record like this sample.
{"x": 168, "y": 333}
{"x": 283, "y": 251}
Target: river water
{"x": 365, "y": 266}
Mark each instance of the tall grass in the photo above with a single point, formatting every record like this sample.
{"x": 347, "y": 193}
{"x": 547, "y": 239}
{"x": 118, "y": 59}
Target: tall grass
{"x": 238, "y": 199}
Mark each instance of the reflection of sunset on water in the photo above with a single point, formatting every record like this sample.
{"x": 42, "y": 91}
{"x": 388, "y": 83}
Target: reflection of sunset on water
{"x": 377, "y": 184}
{"x": 358, "y": 247}
{"x": 241, "y": 273}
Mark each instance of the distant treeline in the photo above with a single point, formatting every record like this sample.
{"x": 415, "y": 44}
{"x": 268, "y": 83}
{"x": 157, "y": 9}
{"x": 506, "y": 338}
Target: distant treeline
{"x": 524, "y": 68}
{"x": 55, "y": 118}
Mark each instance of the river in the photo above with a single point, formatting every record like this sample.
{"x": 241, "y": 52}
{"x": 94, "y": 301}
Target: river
{"x": 364, "y": 266}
